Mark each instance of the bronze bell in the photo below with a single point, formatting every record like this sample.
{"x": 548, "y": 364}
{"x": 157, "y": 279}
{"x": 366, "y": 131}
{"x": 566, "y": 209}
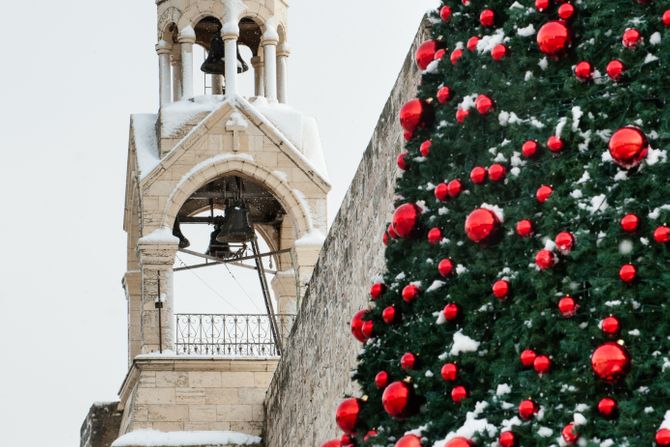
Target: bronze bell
{"x": 216, "y": 248}
{"x": 236, "y": 226}
{"x": 216, "y": 59}
{"x": 176, "y": 232}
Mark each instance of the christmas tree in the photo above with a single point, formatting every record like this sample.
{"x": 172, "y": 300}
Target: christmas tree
{"x": 527, "y": 294}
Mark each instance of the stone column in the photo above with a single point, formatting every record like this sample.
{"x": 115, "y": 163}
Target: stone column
{"x": 230, "y": 44}
{"x": 259, "y": 86}
{"x": 186, "y": 40}
{"x": 157, "y": 255}
{"x": 163, "y": 49}
{"x": 282, "y": 72}
{"x": 270, "y": 58}
{"x": 217, "y": 84}
{"x": 176, "y": 73}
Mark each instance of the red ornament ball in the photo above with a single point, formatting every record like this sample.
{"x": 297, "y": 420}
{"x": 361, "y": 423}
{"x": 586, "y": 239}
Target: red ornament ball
{"x": 501, "y": 289}
{"x": 610, "y": 362}
{"x": 381, "y": 379}
{"x": 459, "y": 442}
{"x": 385, "y": 238}
{"x": 455, "y": 56}
{"x": 409, "y": 441}
{"x": 478, "y": 175}
{"x": 569, "y": 434}
{"x": 472, "y": 43}
{"x": 527, "y": 409}
{"x": 541, "y": 5}
{"x": 484, "y": 104}
{"x": 414, "y": 114}
{"x": 499, "y": 52}
{"x": 347, "y": 414}
{"x": 630, "y": 223}
{"x": 439, "y": 55}
{"x": 451, "y": 311}
{"x": 567, "y": 307}
{"x": 542, "y": 364}
{"x": 405, "y": 219}
{"x": 497, "y": 172}
{"x": 449, "y": 372}
{"x": 388, "y": 314}
{"x": 610, "y": 326}
{"x": 545, "y": 259}
{"x": 628, "y": 147}
{"x": 615, "y": 70}
{"x": 555, "y": 144}
{"x": 543, "y": 193}
{"x": 524, "y": 228}
{"x": 461, "y": 115}
{"x": 425, "y": 54}
{"x": 553, "y": 38}
{"x": 445, "y": 267}
{"x": 663, "y": 437}
{"x": 357, "y": 325}
{"x": 565, "y": 242}
{"x": 662, "y": 234}
{"x": 441, "y": 192}
{"x": 332, "y": 443}
{"x": 528, "y": 357}
{"x": 566, "y": 11}
{"x": 410, "y": 293}
{"x": 607, "y": 407}
{"x": 487, "y": 18}
{"x": 584, "y": 70}
{"x": 434, "y": 236}
{"x": 666, "y": 17}
{"x": 443, "y": 94}
{"x": 377, "y": 290}
{"x": 628, "y": 273}
{"x": 392, "y": 232}
{"x": 368, "y": 328}
{"x": 482, "y": 225}
{"x": 395, "y": 398}
{"x": 407, "y": 361}
{"x": 401, "y": 161}
{"x": 507, "y": 439}
{"x": 530, "y": 148}
{"x": 345, "y": 440}
{"x": 458, "y": 394}
{"x": 425, "y": 148}
{"x": 455, "y": 187}
{"x": 631, "y": 38}
{"x": 445, "y": 13}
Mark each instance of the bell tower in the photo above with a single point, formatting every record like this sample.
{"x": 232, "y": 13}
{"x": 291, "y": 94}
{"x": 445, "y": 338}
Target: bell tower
{"x": 252, "y": 169}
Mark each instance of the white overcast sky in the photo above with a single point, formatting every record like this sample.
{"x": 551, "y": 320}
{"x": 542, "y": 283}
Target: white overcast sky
{"x": 71, "y": 73}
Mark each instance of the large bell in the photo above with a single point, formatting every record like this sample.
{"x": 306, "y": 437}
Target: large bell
{"x": 236, "y": 226}
{"x": 216, "y": 59}
{"x": 216, "y": 248}
{"x": 176, "y": 231}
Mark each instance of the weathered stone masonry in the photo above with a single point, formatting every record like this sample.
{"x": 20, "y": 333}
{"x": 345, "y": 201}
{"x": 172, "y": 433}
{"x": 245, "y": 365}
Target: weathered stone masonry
{"x": 314, "y": 372}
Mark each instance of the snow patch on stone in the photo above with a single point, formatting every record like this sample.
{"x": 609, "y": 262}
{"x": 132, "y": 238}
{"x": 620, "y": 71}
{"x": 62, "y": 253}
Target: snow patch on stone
{"x": 154, "y": 438}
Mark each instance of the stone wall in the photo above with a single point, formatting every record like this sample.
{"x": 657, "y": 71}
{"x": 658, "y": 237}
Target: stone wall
{"x": 314, "y": 372}
{"x": 101, "y": 426}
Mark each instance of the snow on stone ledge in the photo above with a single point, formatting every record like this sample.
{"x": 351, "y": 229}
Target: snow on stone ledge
{"x": 159, "y": 236}
{"x": 175, "y": 115}
{"x": 146, "y": 141}
{"x": 313, "y": 238}
{"x": 154, "y": 438}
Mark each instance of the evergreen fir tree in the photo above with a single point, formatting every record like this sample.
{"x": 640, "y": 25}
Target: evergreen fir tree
{"x": 527, "y": 294}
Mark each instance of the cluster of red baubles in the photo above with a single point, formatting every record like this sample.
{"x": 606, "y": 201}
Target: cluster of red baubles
{"x": 540, "y": 363}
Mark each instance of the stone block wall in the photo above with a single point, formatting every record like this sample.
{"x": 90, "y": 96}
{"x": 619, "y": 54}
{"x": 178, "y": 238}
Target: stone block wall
{"x": 101, "y": 426}
{"x": 314, "y": 371}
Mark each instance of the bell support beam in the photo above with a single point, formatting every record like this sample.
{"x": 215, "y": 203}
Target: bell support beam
{"x": 163, "y": 49}
{"x": 186, "y": 40}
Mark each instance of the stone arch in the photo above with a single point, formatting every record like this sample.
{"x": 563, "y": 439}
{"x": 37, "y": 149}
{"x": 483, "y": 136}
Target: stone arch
{"x": 196, "y": 12}
{"x": 220, "y": 165}
{"x": 169, "y": 17}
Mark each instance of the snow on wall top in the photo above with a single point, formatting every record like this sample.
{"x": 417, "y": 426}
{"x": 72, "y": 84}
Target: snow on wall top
{"x": 143, "y": 127}
{"x": 154, "y": 438}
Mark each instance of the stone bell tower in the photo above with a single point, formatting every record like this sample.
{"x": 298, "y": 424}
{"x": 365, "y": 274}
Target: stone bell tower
{"x": 201, "y": 157}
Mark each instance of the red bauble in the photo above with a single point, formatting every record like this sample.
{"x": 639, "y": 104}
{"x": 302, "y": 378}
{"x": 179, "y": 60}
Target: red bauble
{"x": 553, "y": 38}
{"x": 370, "y": 434}
{"x": 459, "y": 442}
{"x": 345, "y": 441}
{"x": 455, "y": 187}
{"x": 527, "y": 409}
{"x": 483, "y": 104}
{"x": 439, "y": 54}
{"x": 615, "y": 69}
{"x": 628, "y": 273}
{"x": 409, "y": 440}
{"x": 567, "y": 306}
{"x": 405, "y": 219}
{"x": 347, "y": 414}
{"x": 542, "y": 364}
{"x": 401, "y": 161}
{"x": 666, "y": 17}
{"x": 628, "y": 147}
{"x": 545, "y": 259}
{"x": 458, "y": 394}
{"x": 607, "y": 407}
{"x": 434, "y": 236}
{"x": 451, "y": 311}
{"x": 543, "y": 193}
{"x": 663, "y": 437}
{"x": 461, "y": 115}
{"x": 388, "y": 314}
{"x": 445, "y": 13}
{"x": 410, "y": 293}
{"x": 368, "y": 328}
{"x": 441, "y": 192}
{"x": 425, "y": 148}
{"x": 415, "y": 113}
{"x": 455, "y": 56}
{"x": 569, "y": 434}
{"x": 395, "y": 399}
{"x": 443, "y": 94}
{"x": 332, "y": 443}
{"x": 449, "y": 372}
{"x": 565, "y": 242}
{"x": 382, "y": 379}
{"x": 528, "y": 357}
{"x": 507, "y": 439}
{"x": 385, "y": 238}
{"x": 662, "y": 234}
{"x": 472, "y": 43}
{"x": 610, "y": 326}
{"x": 425, "y": 54}
{"x": 487, "y": 17}
{"x": 481, "y": 225}
{"x": 499, "y": 52}
{"x": 478, "y": 175}
{"x": 555, "y": 144}
{"x": 541, "y": 5}
{"x": 445, "y": 267}
{"x": 630, "y": 223}
{"x": 610, "y": 362}
{"x": 392, "y": 232}
{"x": 377, "y": 290}
{"x": 497, "y": 172}
{"x": 584, "y": 70}
{"x": 501, "y": 289}
{"x": 357, "y": 326}
{"x": 565, "y": 11}
{"x": 407, "y": 361}
{"x": 530, "y": 148}
{"x": 524, "y": 228}
{"x": 631, "y": 38}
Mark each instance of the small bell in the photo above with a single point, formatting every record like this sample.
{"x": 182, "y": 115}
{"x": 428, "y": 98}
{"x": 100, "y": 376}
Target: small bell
{"x": 216, "y": 248}
{"x": 176, "y": 232}
{"x": 216, "y": 59}
{"x": 236, "y": 226}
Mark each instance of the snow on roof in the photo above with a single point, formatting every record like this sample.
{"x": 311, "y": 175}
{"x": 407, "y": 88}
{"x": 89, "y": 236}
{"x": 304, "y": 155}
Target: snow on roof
{"x": 154, "y": 438}
{"x": 176, "y": 114}
{"x": 146, "y": 142}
